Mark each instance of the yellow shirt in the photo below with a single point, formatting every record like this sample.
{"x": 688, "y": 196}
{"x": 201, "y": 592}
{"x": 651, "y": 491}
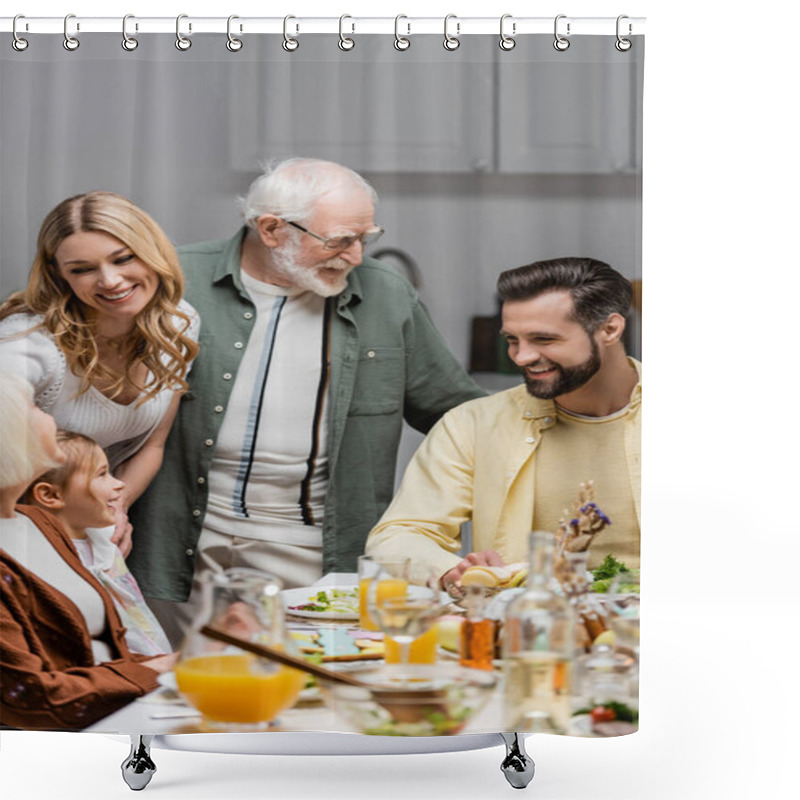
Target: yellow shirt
{"x": 577, "y": 449}
{"x": 479, "y": 463}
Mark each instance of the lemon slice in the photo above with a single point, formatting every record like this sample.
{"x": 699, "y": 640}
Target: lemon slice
{"x": 606, "y": 637}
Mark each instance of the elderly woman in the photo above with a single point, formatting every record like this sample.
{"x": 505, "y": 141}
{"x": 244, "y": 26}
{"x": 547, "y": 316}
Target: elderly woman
{"x": 102, "y": 334}
{"x": 64, "y": 662}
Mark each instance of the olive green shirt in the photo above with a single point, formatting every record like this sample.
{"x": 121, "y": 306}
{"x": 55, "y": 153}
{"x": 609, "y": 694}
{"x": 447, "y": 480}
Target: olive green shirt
{"x": 388, "y": 362}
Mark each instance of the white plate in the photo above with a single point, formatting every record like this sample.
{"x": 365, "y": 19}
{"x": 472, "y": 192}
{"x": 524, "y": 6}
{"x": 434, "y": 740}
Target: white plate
{"x": 306, "y": 594}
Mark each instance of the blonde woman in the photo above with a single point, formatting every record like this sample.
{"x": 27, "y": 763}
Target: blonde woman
{"x": 102, "y": 334}
{"x": 64, "y": 663}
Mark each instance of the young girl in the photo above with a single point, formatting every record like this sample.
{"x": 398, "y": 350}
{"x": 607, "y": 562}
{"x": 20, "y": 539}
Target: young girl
{"x": 83, "y": 494}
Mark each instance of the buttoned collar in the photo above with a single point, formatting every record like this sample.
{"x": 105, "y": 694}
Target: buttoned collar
{"x": 351, "y": 293}
{"x": 230, "y": 265}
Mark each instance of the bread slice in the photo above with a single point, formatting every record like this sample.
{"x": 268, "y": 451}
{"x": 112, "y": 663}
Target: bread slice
{"x": 502, "y": 577}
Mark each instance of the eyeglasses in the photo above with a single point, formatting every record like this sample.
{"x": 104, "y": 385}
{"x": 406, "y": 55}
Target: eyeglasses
{"x": 339, "y": 243}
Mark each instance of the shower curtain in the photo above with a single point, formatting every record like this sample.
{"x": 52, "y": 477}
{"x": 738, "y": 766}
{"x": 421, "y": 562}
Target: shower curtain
{"x": 487, "y": 153}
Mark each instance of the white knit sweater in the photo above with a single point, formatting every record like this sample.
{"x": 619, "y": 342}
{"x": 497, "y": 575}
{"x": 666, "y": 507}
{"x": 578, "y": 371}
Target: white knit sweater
{"x": 120, "y": 430}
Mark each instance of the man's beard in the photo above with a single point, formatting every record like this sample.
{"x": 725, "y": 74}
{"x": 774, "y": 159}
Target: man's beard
{"x": 284, "y": 260}
{"x": 568, "y": 379}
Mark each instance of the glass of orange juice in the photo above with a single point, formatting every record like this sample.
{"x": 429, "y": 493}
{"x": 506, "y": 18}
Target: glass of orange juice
{"x": 392, "y": 581}
{"x": 403, "y": 612}
{"x": 238, "y": 691}
{"x": 421, "y": 651}
{"x": 233, "y": 689}
{"x": 422, "y": 648}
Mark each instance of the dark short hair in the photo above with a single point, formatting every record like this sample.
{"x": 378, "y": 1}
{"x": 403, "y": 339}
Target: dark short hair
{"x": 597, "y": 289}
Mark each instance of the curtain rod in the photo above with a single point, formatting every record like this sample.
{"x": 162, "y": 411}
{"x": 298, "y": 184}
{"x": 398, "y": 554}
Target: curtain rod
{"x": 74, "y": 25}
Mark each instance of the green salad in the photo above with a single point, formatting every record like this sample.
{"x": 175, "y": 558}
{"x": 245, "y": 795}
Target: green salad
{"x": 435, "y": 723}
{"x": 609, "y": 711}
{"x": 604, "y": 576}
{"x": 338, "y": 601}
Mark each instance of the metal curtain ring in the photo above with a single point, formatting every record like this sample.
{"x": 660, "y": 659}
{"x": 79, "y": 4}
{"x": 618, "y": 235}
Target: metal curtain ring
{"x": 233, "y": 44}
{"x": 70, "y": 42}
{"x": 401, "y": 42}
{"x": 181, "y": 42}
{"x": 290, "y": 44}
{"x": 561, "y": 43}
{"x": 507, "y": 42}
{"x": 345, "y": 42}
{"x": 18, "y": 43}
{"x": 451, "y": 42}
{"x": 623, "y": 45}
{"x": 128, "y": 42}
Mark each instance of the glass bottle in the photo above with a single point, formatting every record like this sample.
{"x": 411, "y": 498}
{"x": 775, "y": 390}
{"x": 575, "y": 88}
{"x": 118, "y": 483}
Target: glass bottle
{"x": 538, "y": 648}
{"x": 233, "y": 689}
{"x": 575, "y": 579}
{"x": 477, "y": 633}
{"x": 604, "y": 675}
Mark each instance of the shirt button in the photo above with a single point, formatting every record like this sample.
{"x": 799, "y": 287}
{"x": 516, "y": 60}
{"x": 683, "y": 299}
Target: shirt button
{"x": 227, "y": 376}
{"x": 248, "y": 315}
{"x": 197, "y": 512}
{"x": 371, "y": 354}
{"x": 218, "y": 409}
{"x": 201, "y": 480}
{"x": 528, "y": 414}
{"x": 530, "y": 440}
{"x": 189, "y": 551}
{"x": 548, "y": 420}
{"x": 238, "y": 345}
{"x": 209, "y": 442}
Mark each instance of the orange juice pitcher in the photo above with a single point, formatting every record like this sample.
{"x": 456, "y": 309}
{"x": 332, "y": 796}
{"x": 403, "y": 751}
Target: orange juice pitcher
{"x": 233, "y": 689}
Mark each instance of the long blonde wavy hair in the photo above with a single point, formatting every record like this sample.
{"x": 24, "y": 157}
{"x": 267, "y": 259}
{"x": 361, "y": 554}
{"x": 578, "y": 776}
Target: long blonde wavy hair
{"x": 159, "y": 339}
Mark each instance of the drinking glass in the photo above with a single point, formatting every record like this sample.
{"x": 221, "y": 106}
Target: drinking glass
{"x": 401, "y": 610}
{"x": 623, "y": 609}
{"x": 393, "y": 574}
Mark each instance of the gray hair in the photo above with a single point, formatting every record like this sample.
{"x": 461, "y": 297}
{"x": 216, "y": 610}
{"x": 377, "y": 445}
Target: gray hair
{"x": 291, "y": 188}
{"x": 22, "y": 456}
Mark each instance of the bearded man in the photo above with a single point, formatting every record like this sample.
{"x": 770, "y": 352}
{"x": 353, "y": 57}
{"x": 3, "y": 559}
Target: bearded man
{"x": 514, "y": 462}
{"x": 283, "y": 454}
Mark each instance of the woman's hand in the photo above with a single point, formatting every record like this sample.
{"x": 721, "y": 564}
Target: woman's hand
{"x": 123, "y": 532}
{"x": 161, "y": 664}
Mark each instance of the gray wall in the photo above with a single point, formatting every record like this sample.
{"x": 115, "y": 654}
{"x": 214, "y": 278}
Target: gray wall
{"x": 179, "y": 133}
{"x": 483, "y": 160}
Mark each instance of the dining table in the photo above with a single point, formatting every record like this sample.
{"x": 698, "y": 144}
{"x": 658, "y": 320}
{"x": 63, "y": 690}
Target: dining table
{"x": 163, "y": 712}
{"x": 163, "y": 720}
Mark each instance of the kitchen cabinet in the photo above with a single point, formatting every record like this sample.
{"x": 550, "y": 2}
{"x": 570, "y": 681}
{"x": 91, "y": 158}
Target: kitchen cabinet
{"x": 428, "y": 110}
{"x": 563, "y": 117}
{"x": 399, "y": 114}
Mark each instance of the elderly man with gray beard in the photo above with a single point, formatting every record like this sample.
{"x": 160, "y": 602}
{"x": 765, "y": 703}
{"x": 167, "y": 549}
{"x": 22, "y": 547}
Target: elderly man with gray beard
{"x": 282, "y": 456}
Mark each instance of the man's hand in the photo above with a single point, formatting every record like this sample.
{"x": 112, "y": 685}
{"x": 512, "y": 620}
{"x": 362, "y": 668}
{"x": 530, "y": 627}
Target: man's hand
{"x": 451, "y": 580}
{"x": 123, "y": 533}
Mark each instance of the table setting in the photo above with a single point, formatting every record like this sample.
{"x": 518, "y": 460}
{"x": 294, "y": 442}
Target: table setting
{"x": 369, "y": 653}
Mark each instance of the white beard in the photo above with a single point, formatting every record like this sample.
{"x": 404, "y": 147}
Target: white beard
{"x": 284, "y": 259}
